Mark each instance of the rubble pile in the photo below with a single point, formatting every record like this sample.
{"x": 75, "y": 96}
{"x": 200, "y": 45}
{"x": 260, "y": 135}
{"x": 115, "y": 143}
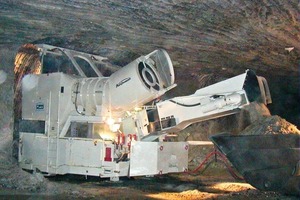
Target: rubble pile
{"x": 271, "y": 125}
{"x": 11, "y": 175}
{"x": 16, "y": 178}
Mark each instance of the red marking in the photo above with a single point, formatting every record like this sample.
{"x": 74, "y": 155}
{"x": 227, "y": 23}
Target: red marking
{"x": 135, "y": 137}
{"x": 108, "y": 154}
{"x": 121, "y": 139}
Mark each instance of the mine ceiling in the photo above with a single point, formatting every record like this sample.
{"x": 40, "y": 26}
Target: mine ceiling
{"x": 207, "y": 37}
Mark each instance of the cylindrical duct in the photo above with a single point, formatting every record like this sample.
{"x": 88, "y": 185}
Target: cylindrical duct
{"x": 88, "y": 95}
{"x": 139, "y": 82}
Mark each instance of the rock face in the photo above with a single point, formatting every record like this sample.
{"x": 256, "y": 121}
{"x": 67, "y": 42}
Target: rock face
{"x": 211, "y": 34}
{"x": 204, "y": 38}
{"x": 271, "y": 125}
{"x": 26, "y": 62}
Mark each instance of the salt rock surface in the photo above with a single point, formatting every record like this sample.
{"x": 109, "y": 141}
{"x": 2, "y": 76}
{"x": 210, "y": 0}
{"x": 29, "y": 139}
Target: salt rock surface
{"x": 271, "y": 125}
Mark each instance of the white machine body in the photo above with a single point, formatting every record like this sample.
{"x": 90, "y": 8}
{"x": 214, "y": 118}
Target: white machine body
{"x": 82, "y": 122}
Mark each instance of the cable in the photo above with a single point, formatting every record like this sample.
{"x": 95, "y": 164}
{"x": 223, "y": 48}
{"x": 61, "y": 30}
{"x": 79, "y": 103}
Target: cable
{"x": 76, "y": 94}
{"x": 185, "y": 105}
{"x": 223, "y": 159}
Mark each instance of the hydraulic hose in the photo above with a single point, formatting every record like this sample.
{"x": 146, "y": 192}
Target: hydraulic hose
{"x": 223, "y": 159}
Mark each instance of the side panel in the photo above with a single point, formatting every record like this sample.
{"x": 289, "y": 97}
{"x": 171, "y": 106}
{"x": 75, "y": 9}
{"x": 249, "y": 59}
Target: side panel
{"x": 150, "y": 158}
{"x": 143, "y": 159}
{"x": 73, "y": 156}
{"x": 33, "y": 151}
{"x": 80, "y": 156}
{"x": 173, "y": 157}
{"x": 81, "y": 152}
{"x": 89, "y": 157}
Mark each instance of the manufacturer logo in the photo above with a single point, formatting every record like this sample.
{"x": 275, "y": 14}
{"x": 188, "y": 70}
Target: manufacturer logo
{"x": 39, "y": 106}
{"x": 122, "y": 82}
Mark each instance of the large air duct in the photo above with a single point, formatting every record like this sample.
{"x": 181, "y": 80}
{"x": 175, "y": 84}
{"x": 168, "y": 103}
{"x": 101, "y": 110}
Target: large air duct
{"x": 137, "y": 83}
